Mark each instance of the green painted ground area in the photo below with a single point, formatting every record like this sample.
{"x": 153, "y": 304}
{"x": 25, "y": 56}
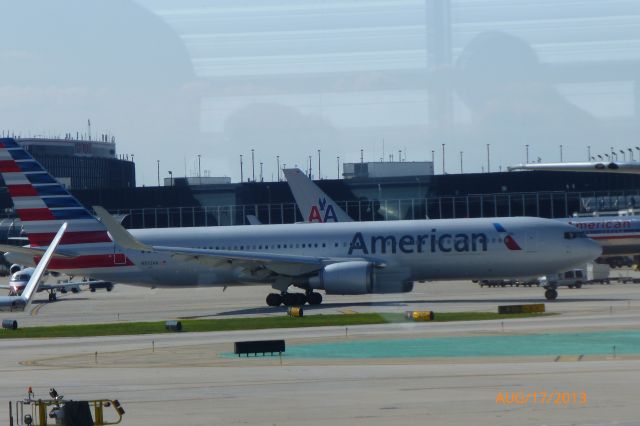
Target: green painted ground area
{"x": 601, "y": 343}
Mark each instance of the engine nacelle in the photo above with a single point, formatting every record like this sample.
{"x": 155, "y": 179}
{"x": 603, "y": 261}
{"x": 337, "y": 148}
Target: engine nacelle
{"x": 15, "y": 268}
{"x": 355, "y": 277}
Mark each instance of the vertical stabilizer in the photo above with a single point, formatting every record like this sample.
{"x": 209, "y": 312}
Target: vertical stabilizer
{"x": 313, "y": 203}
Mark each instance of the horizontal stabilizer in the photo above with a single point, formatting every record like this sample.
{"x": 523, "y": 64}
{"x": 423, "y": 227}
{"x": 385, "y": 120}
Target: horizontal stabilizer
{"x": 32, "y": 251}
{"x": 120, "y": 235}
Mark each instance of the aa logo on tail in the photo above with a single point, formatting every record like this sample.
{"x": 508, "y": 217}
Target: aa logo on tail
{"x": 323, "y": 212}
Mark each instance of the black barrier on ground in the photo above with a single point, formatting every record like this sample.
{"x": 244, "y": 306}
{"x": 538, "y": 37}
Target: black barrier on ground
{"x": 259, "y": 346}
{"x": 173, "y": 325}
{"x": 10, "y": 324}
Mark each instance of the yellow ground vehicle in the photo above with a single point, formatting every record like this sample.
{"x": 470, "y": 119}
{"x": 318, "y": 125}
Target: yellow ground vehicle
{"x": 64, "y": 412}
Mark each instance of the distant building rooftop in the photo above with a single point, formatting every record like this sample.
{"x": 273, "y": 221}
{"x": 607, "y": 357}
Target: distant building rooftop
{"x": 384, "y": 169}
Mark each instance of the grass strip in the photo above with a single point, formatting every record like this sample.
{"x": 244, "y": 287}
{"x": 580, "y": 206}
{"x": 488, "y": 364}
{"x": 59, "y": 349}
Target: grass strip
{"x": 234, "y": 324}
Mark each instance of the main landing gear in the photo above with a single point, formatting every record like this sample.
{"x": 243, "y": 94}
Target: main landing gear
{"x": 294, "y": 299}
{"x": 52, "y": 296}
{"x": 551, "y": 294}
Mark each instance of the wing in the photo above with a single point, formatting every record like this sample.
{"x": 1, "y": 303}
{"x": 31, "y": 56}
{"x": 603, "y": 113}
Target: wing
{"x": 281, "y": 264}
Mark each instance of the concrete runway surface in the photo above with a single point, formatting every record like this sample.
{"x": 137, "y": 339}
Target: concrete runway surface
{"x": 184, "y": 381}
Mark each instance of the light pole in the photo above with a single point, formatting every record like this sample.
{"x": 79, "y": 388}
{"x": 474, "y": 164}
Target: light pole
{"x": 338, "y": 164}
{"x": 158, "y": 161}
{"x": 631, "y": 154}
{"x": 278, "y": 161}
{"x": 488, "y": 158}
{"x": 199, "y": 174}
{"x": 527, "y": 153}
{"x": 241, "y": 176}
{"x": 319, "y": 174}
{"x": 261, "y": 178}
{"x": 443, "y": 159}
{"x": 460, "y": 162}
{"x": 624, "y": 155}
{"x": 588, "y": 152}
{"x": 253, "y": 165}
{"x": 170, "y": 178}
{"x": 561, "y": 153}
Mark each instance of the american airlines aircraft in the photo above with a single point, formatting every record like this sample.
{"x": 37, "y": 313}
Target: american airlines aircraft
{"x": 619, "y": 236}
{"x": 21, "y": 302}
{"x": 341, "y": 258}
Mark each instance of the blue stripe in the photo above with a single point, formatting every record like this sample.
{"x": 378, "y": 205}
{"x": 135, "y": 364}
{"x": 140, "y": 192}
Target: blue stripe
{"x": 499, "y": 227}
{"x": 30, "y": 166}
{"x": 9, "y": 142}
{"x": 40, "y": 178}
{"x": 60, "y": 202}
{"x": 71, "y": 214}
{"x": 50, "y": 190}
{"x": 19, "y": 154}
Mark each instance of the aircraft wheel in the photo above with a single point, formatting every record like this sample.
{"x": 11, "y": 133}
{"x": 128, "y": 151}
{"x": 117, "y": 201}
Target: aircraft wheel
{"x": 314, "y": 298}
{"x": 301, "y": 299}
{"x": 52, "y": 297}
{"x": 288, "y": 299}
{"x": 551, "y": 294}
{"x": 274, "y": 299}
{"x": 579, "y": 285}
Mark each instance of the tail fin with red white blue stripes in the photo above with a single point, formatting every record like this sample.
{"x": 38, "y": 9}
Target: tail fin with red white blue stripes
{"x": 43, "y": 204}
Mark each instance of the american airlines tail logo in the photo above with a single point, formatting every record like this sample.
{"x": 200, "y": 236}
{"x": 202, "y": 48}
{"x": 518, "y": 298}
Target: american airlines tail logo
{"x": 509, "y": 241}
{"x": 323, "y": 212}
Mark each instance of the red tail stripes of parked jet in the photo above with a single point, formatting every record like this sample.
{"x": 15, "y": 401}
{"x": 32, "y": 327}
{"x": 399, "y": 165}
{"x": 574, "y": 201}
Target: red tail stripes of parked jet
{"x": 43, "y": 204}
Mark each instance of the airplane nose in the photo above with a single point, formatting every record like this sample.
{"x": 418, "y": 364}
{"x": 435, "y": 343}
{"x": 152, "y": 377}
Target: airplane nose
{"x": 593, "y": 249}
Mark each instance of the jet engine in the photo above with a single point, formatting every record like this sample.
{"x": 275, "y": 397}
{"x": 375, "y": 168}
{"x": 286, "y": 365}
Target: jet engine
{"x": 360, "y": 277}
{"x": 15, "y": 268}
{"x": 355, "y": 277}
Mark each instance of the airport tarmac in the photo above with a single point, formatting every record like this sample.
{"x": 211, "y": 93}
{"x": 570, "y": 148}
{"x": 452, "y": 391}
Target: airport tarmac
{"x": 182, "y": 379}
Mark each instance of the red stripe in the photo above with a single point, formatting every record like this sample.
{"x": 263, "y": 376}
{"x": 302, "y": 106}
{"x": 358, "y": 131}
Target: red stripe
{"x": 27, "y": 215}
{"x": 9, "y": 166}
{"x": 78, "y": 237}
{"x": 22, "y": 190}
{"x": 88, "y": 261}
{"x": 612, "y": 237}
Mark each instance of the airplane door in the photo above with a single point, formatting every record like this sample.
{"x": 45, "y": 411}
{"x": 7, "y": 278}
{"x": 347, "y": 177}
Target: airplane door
{"x": 531, "y": 241}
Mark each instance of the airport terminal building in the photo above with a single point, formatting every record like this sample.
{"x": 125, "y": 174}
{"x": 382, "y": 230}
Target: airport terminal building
{"x": 369, "y": 191}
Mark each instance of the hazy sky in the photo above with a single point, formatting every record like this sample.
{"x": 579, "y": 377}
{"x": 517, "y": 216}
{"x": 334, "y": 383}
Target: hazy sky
{"x": 171, "y": 80}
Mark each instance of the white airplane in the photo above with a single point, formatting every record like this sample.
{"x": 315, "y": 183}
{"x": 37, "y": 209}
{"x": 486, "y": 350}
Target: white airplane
{"x": 20, "y": 279}
{"x": 341, "y": 258}
{"x": 21, "y": 302}
{"x": 619, "y": 236}
{"x": 609, "y": 167}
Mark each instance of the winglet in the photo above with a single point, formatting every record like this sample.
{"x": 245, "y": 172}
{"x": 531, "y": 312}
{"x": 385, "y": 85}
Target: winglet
{"x": 120, "y": 235}
{"x": 22, "y": 302}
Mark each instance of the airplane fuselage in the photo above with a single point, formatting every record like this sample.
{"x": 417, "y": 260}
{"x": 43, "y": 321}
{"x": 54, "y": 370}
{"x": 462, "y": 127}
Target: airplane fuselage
{"x": 417, "y": 250}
